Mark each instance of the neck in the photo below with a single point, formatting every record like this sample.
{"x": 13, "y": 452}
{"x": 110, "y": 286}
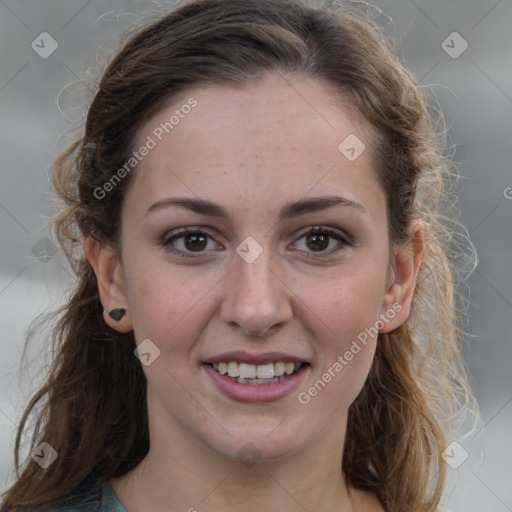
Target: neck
{"x": 190, "y": 475}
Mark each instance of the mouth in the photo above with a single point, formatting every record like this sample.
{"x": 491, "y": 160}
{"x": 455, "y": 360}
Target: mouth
{"x": 257, "y": 374}
{"x": 256, "y": 378}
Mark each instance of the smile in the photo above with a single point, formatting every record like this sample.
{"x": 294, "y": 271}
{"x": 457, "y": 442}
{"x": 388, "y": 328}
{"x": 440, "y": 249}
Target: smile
{"x": 267, "y": 382}
{"x": 244, "y": 373}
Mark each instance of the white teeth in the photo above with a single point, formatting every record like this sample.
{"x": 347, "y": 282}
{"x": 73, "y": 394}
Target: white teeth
{"x": 288, "y": 368}
{"x": 233, "y": 369}
{"x": 251, "y": 373}
{"x": 265, "y": 371}
{"x": 246, "y": 371}
{"x": 278, "y": 369}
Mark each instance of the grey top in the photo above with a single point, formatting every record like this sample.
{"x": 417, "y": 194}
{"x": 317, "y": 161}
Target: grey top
{"x": 97, "y": 496}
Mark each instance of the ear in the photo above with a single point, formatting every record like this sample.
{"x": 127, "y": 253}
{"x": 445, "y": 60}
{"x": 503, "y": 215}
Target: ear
{"x": 109, "y": 275}
{"x": 403, "y": 273}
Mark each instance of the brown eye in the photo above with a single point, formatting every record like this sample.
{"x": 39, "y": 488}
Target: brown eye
{"x": 195, "y": 242}
{"x": 192, "y": 241}
{"x": 318, "y": 239}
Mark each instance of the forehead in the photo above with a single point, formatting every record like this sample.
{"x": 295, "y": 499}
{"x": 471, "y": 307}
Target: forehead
{"x": 279, "y": 138}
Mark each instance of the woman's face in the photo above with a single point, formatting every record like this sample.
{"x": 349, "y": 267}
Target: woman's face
{"x": 253, "y": 282}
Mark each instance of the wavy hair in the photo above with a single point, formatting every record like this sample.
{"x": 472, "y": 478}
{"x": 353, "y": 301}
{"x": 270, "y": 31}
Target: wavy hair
{"x": 92, "y": 407}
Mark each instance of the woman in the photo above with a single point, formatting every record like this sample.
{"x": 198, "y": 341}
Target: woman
{"x": 264, "y": 311}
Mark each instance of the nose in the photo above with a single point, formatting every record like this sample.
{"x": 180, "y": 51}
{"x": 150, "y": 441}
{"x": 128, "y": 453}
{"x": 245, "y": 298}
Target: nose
{"x": 257, "y": 298}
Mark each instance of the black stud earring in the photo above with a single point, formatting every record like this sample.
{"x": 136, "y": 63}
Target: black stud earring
{"x": 117, "y": 314}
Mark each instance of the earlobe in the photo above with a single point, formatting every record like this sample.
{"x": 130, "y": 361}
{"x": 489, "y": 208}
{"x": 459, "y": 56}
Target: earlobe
{"x": 403, "y": 274}
{"x": 109, "y": 276}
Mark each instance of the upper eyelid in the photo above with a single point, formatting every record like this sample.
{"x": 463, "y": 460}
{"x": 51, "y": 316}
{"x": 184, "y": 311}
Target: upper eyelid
{"x": 207, "y": 230}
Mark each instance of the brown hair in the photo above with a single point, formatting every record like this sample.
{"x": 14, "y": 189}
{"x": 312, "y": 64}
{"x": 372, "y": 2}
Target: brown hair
{"x": 93, "y": 402}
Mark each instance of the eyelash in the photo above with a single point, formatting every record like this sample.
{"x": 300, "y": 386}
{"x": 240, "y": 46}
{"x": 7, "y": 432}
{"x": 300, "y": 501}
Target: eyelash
{"x": 181, "y": 233}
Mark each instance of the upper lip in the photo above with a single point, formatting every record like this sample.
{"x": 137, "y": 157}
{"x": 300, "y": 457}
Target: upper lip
{"x": 241, "y": 356}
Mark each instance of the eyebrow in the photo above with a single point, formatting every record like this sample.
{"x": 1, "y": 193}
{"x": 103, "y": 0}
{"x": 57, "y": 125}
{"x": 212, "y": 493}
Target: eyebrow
{"x": 290, "y": 210}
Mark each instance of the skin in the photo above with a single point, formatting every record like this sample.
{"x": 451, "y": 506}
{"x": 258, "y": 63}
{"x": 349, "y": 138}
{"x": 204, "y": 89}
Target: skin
{"x": 253, "y": 151}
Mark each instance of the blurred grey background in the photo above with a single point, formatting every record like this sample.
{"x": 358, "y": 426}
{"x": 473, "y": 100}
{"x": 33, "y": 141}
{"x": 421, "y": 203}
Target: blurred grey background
{"x": 461, "y": 52}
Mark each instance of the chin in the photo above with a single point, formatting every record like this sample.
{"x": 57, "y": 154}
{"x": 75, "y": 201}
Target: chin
{"x": 259, "y": 443}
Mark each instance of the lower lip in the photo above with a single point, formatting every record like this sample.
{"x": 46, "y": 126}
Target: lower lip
{"x": 250, "y": 393}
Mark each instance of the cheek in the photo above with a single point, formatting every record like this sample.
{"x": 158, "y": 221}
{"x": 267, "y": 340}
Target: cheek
{"x": 344, "y": 352}
{"x": 167, "y": 302}
{"x": 346, "y": 302}
{"x": 156, "y": 294}
{"x": 343, "y": 312}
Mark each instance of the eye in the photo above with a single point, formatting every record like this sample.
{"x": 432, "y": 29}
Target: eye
{"x": 192, "y": 241}
{"x": 318, "y": 239}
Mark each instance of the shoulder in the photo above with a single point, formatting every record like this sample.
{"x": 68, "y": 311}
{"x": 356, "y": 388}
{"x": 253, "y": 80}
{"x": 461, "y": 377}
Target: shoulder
{"x": 93, "y": 495}
{"x": 87, "y": 496}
